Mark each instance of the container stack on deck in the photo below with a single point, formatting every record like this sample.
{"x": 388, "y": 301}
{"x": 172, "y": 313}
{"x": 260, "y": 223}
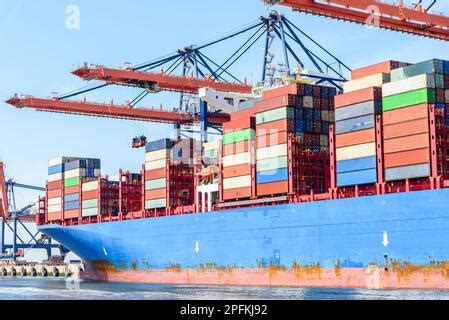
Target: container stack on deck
{"x": 406, "y": 102}
{"x": 237, "y": 156}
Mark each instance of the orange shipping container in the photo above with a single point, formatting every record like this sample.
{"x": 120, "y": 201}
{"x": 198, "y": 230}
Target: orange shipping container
{"x": 272, "y": 139}
{"x": 268, "y": 189}
{"x": 419, "y": 111}
{"x": 233, "y": 194}
{"x": 237, "y": 171}
{"x": 243, "y": 114}
{"x": 407, "y": 158}
{"x": 418, "y": 141}
{"x": 155, "y": 194}
{"x": 270, "y": 104}
{"x": 406, "y": 128}
{"x": 89, "y": 195}
{"x": 71, "y": 214}
{"x": 357, "y": 137}
{"x": 281, "y": 91}
{"x": 71, "y": 190}
{"x": 382, "y": 67}
{"x": 54, "y": 194}
{"x": 55, "y": 185}
{"x": 275, "y": 126}
{"x": 54, "y": 216}
{"x": 347, "y": 99}
{"x": 234, "y": 148}
{"x": 239, "y": 124}
{"x": 155, "y": 174}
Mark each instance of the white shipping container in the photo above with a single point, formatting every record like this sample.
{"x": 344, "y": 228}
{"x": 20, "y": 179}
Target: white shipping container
{"x": 90, "y": 186}
{"x": 356, "y": 152}
{"x": 55, "y": 201}
{"x": 236, "y": 159}
{"x": 237, "y": 182}
{"x": 56, "y": 177}
{"x": 80, "y": 172}
{"x": 157, "y": 155}
{"x": 152, "y": 165}
{"x": 446, "y": 93}
{"x": 60, "y": 160}
{"x": 409, "y": 84}
{"x": 279, "y": 150}
{"x": 376, "y": 80}
{"x": 54, "y": 208}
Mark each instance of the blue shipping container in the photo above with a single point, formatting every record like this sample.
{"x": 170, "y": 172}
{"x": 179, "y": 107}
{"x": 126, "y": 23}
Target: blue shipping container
{"x": 272, "y": 176}
{"x": 71, "y": 205}
{"x": 71, "y": 197}
{"x": 159, "y": 145}
{"x": 358, "y": 110}
{"x": 356, "y": 164}
{"x": 299, "y": 125}
{"x": 56, "y": 169}
{"x": 357, "y": 177}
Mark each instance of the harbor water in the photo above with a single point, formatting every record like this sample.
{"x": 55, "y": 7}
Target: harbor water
{"x": 66, "y": 289}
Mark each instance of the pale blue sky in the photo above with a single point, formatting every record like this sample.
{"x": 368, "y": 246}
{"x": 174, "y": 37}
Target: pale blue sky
{"x": 38, "y": 52}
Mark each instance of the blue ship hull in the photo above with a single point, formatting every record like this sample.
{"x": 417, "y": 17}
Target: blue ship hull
{"x": 391, "y": 232}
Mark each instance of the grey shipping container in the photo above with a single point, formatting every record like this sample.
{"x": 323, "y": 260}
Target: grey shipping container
{"x": 358, "y": 110}
{"x": 407, "y": 172}
{"x": 355, "y": 124}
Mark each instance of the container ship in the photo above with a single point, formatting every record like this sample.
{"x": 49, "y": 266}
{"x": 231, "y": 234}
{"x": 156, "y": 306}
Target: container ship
{"x": 306, "y": 187}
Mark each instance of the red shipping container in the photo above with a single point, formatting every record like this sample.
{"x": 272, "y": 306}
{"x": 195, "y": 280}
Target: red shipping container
{"x": 381, "y": 67}
{"x": 316, "y": 103}
{"x": 275, "y": 103}
{"x": 407, "y": 158}
{"x": 71, "y": 214}
{"x": 243, "y": 114}
{"x": 55, "y": 185}
{"x": 272, "y": 139}
{"x": 418, "y": 141}
{"x": 155, "y": 194}
{"x": 281, "y": 91}
{"x": 274, "y": 188}
{"x": 234, "y": 194}
{"x": 237, "y": 171}
{"x": 347, "y": 99}
{"x": 54, "y": 216}
{"x": 406, "y": 128}
{"x": 406, "y": 114}
{"x": 155, "y": 174}
{"x": 234, "y": 148}
{"x": 89, "y": 195}
{"x": 355, "y": 138}
{"x": 239, "y": 124}
{"x": 275, "y": 126}
{"x": 54, "y": 194}
{"x": 440, "y": 95}
{"x": 71, "y": 190}
{"x": 316, "y": 91}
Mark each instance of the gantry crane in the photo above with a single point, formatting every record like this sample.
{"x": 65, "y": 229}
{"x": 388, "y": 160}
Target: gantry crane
{"x": 199, "y": 72}
{"x": 414, "y": 19}
{"x": 16, "y": 221}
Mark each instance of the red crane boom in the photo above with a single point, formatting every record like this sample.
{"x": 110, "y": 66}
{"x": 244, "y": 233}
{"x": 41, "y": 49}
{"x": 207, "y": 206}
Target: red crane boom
{"x": 415, "y": 20}
{"x": 157, "y": 81}
{"x": 110, "y": 110}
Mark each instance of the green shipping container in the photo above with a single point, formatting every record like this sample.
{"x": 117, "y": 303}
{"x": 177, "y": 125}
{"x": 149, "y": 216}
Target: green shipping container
{"x": 72, "y": 182}
{"x": 272, "y": 164}
{"x": 238, "y": 136}
{"x": 155, "y": 204}
{"x": 275, "y": 115}
{"x": 429, "y": 66}
{"x": 156, "y": 184}
{"x": 407, "y": 99}
{"x": 90, "y": 212}
{"x": 439, "y": 81}
{"x": 88, "y": 204}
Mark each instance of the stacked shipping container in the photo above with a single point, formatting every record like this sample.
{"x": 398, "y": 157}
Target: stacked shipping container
{"x": 406, "y": 102}
{"x": 237, "y": 156}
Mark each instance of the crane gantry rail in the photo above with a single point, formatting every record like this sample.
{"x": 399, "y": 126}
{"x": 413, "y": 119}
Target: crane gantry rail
{"x": 398, "y": 17}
